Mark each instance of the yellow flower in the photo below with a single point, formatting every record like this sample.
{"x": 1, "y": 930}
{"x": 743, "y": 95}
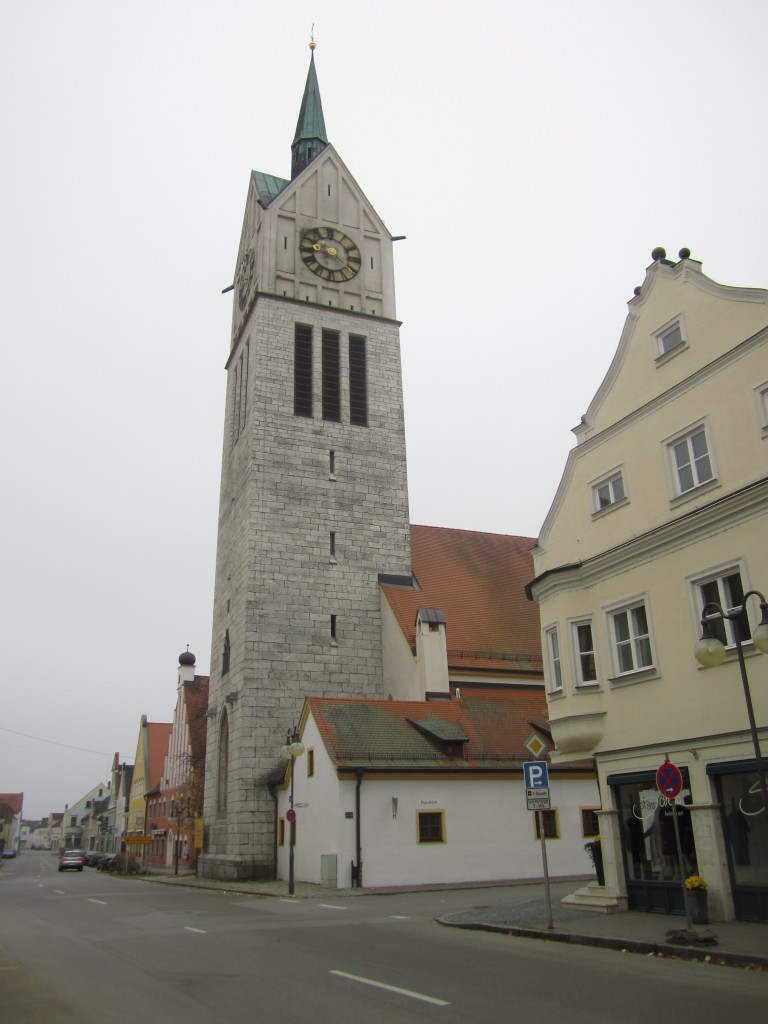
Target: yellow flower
{"x": 693, "y": 882}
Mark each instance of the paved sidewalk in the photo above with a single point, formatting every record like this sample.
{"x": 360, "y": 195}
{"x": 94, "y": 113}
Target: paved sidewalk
{"x": 731, "y": 943}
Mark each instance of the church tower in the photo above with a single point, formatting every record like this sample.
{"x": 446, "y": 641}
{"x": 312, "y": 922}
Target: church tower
{"x": 314, "y": 506}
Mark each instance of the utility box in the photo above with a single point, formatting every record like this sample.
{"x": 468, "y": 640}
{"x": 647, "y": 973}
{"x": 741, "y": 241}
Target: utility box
{"x": 328, "y": 870}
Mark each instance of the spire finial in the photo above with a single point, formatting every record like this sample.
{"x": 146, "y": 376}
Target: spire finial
{"x": 312, "y": 43}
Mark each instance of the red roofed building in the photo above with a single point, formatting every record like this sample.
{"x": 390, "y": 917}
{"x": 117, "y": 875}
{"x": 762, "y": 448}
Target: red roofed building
{"x": 175, "y": 804}
{"x": 396, "y": 792}
{"x": 466, "y": 619}
{"x": 151, "y": 749}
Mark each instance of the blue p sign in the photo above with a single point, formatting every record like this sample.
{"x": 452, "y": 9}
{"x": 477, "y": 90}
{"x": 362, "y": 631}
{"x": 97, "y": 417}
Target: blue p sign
{"x": 536, "y": 775}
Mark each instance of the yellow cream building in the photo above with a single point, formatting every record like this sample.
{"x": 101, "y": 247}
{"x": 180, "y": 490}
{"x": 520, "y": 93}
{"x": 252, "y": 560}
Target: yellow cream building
{"x": 661, "y": 510}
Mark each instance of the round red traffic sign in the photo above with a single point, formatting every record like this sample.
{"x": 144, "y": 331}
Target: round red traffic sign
{"x": 290, "y": 814}
{"x": 669, "y": 781}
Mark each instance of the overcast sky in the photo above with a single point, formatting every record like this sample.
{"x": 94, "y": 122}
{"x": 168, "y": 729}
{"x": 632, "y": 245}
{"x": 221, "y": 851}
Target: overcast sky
{"x": 532, "y": 153}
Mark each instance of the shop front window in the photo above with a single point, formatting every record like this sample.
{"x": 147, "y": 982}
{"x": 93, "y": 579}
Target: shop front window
{"x": 746, "y": 828}
{"x": 648, "y": 833}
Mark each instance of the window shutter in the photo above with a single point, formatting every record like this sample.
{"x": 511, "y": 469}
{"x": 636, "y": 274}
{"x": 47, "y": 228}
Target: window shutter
{"x": 358, "y": 382}
{"x": 331, "y": 389}
{"x": 302, "y": 371}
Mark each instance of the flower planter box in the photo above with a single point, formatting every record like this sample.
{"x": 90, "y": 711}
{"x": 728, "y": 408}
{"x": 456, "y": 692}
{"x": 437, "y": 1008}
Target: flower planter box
{"x": 697, "y": 906}
{"x": 595, "y": 851}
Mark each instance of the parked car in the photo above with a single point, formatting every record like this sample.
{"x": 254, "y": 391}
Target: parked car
{"x": 92, "y": 858}
{"x": 7, "y": 854}
{"x": 107, "y": 862}
{"x": 72, "y": 859}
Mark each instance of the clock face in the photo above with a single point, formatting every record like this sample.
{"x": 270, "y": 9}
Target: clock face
{"x": 330, "y": 254}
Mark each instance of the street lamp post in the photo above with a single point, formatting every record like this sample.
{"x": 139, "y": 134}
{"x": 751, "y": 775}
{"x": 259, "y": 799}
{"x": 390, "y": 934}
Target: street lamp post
{"x": 292, "y": 749}
{"x": 709, "y": 652}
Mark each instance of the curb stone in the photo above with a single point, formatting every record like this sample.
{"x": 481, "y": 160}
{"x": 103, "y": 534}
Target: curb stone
{"x": 672, "y": 952}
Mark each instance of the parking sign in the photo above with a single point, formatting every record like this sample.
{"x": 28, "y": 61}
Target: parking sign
{"x": 536, "y": 775}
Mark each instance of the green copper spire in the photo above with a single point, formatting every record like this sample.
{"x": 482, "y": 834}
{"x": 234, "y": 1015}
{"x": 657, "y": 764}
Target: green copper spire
{"x": 310, "y": 135}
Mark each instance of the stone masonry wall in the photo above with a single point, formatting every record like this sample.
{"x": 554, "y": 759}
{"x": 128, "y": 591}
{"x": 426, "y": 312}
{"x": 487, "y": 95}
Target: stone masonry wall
{"x": 277, "y": 584}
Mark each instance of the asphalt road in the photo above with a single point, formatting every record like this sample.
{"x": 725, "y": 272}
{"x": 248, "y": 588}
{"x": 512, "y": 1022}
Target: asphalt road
{"x": 96, "y": 949}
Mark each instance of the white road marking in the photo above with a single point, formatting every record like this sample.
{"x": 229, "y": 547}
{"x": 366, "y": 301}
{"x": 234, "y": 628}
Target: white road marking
{"x": 330, "y": 906}
{"x": 392, "y": 988}
{"x": 286, "y": 900}
{"x": 61, "y": 892}
{"x": 199, "y": 931}
{"x": 102, "y": 902}
{"x": 399, "y": 917}
{"x": 40, "y": 885}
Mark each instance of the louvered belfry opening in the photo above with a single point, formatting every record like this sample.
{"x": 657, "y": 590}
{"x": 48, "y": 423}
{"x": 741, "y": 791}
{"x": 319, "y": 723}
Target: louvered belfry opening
{"x": 331, "y": 386}
{"x": 358, "y": 381}
{"x": 302, "y": 371}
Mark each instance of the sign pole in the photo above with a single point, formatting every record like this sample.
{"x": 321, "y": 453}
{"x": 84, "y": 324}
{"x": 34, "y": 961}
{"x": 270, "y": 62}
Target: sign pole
{"x": 547, "y": 894}
{"x": 536, "y": 778}
{"x": 669, "y": 782}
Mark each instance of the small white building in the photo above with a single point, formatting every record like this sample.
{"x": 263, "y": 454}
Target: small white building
{"x": 76, "y": 819}
{"x": 392, "y": 793}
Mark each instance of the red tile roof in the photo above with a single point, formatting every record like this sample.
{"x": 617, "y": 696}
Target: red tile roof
{"x": 196, "y": 701}
{"x": 478, "y": 581}
{"x": 158, "y": 734}
{"x": 485, "y": 730}
{"x": 12, "y": 801}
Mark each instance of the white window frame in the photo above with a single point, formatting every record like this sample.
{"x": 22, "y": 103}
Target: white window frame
{"x": 633, "y": 638}
{"x": 608, "y": 480}
{"x": 719, "y": 575}
{"x": 674, "y": 470}
{"x": 554, "y": 660}
{"x": 761, "y": 402}
{"x": 578, "y": 653}
{"x": 664, "y": 355}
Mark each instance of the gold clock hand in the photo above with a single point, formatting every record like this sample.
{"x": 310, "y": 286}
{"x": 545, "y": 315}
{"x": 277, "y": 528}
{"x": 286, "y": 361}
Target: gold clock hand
{"x": 329, "y": 250}
{"x": 334, "y": 253}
